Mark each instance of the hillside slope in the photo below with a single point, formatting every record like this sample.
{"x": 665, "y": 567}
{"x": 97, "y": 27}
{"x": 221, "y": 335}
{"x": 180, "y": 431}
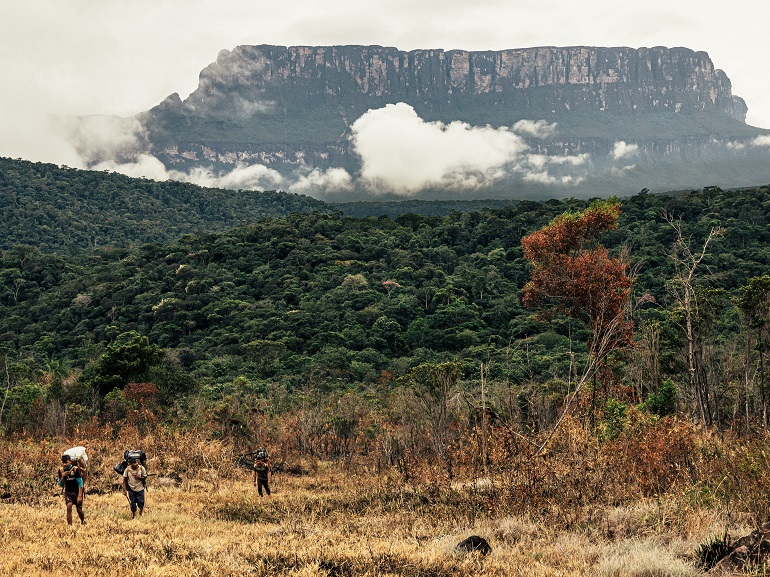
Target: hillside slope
{"x": 64, "y": 210}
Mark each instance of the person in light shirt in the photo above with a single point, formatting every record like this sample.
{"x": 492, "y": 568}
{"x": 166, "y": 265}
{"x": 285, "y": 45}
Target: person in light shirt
{"x": 134, "y": 479}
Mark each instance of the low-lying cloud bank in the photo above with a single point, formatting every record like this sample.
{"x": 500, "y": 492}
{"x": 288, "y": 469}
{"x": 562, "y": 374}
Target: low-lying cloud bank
{"x": 401, "y": 151}
{"x": 401, "y": 154}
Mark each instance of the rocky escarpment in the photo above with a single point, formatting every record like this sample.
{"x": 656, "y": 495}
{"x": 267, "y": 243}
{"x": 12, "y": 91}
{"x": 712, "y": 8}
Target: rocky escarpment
{"x": 260, "y": 79}
{"x": 289, "y": 107}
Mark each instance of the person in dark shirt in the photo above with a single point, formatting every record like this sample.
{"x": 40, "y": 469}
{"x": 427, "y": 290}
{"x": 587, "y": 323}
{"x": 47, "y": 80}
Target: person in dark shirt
{"x": 262, "y": 472}
{"x": 70, "y": 480}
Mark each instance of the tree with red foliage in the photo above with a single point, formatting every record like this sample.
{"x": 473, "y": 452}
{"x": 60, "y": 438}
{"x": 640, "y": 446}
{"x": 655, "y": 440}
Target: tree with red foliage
{"x": 574, "y": 275}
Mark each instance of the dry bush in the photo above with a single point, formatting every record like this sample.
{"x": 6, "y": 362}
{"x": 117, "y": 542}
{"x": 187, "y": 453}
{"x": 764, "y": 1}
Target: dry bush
{"x": 635, "y": 558}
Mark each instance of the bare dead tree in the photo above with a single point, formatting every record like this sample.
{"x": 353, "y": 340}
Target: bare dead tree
{"x": 682, "y": 287}
{"x": 604, "y": 343}
{"x": 7, "y": 390}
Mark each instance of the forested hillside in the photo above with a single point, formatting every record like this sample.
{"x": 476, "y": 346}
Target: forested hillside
{"x": 60, "y": 209}
{"x": 328, "y": 303}
{"x": 396, "y": 208}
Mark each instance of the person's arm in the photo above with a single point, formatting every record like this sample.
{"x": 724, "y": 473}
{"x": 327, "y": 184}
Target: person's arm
{"x": 125, "y": 481}
{"x": 62, "y": 476}
{"x": 255, "y": 475}
{"x": 79, "y": 478}
{"x": 269, "y": 471}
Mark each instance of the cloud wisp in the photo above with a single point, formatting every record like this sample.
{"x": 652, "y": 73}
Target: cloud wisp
{"x": 400, "y": 154}
{"x": 621, "y": 149}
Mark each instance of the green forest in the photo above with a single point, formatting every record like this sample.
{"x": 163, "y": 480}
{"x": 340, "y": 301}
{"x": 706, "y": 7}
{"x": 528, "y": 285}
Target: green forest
{"x": 298, "y": 305}
{"x": 61, "y": 209}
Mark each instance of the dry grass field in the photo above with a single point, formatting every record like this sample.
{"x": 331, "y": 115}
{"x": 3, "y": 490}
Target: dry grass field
{"x": 638, "y": 507}
{"x": 332, "y": 523}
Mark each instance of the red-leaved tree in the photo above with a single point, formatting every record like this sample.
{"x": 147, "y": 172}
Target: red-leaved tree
{"x": 574, "y": 275}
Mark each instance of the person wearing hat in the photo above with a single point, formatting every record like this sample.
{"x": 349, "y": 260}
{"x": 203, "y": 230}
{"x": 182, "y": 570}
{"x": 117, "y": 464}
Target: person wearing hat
{"x": 134, "y": 478}
{"x": 70, "y": 480}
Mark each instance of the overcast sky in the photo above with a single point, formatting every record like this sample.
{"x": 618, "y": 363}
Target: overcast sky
{"x": 125, "y": 56}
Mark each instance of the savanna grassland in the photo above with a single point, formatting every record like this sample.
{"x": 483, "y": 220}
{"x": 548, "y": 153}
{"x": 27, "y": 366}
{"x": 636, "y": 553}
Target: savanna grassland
{"x": 579, "y": 508}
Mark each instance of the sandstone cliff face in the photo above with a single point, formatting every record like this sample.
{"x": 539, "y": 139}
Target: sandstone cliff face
{"x": 613, "y": 80}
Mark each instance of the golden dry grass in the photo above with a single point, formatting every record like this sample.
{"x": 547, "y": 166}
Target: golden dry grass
{"x": 329, "y": 524}
{"x": 637, "y": 508}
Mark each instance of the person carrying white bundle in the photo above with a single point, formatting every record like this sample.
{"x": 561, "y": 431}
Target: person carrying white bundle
{"x": 79, "y": 457}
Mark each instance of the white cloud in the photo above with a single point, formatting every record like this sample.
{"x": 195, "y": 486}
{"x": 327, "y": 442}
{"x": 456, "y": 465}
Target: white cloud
{"x": 554, "y": 170}
{"x": 145, "y": 166}
{"x": 763, "y": 140}
{"x": 320, "y": 181}
{"x": 623, "y": 150}
{"x": 243, "y": 176}
{"x": 246, "y": 177}
{"x": 102, "y": 138}
{"x": 535, "y": 128}
{"x": 402, "y": 152}
{"x": 622, "y": 170}
{"x": 544, "y": 177}
{"x": 574, "y": 160}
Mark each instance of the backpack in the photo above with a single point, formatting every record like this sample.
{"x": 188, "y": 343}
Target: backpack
{"x": 78, "y": 456}
{"x": 248, "y": 460}
{"x": 136, "y": 454}
{"x": 261, "y": 461}
{"x": 139, "y": 455}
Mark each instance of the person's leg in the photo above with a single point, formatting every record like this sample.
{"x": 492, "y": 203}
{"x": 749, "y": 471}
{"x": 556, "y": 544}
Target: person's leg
{"x": 140, "y": 501}
{"x": 69, "y": 512}
{"x": 132, "y": 502}
{"x": 79, "y": 509}
{"x": 262, "y": 484}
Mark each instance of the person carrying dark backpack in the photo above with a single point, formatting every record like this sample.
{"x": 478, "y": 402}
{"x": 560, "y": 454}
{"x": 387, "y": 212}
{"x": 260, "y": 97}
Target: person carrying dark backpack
{"x": 262, "y": 471}
{"x": 134, "y": 479}
{"x": 70, "y": 479}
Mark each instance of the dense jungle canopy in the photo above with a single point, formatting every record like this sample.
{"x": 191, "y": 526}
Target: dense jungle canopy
{"x": 319, "y": 301}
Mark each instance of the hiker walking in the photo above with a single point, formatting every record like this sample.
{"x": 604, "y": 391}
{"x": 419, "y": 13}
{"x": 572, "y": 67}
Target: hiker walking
{"x": 262, "y": 471}
{"x": 134, "y": 479}
{"x": 70, "y": 479}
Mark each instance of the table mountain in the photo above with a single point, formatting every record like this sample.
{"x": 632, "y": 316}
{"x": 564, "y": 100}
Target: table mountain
{"x": 589, "y": 120}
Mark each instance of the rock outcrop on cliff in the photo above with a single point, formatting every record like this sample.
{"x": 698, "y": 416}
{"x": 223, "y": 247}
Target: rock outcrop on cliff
{"x": 295, "y": 109}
